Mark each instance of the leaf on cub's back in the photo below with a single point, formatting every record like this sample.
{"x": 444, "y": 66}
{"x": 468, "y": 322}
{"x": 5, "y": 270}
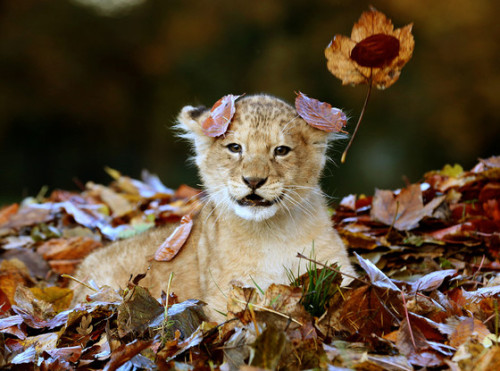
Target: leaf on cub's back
{"x": 172, "y": 245}
{"x": 221, "y": 115}
{"x": 320, "y": 115}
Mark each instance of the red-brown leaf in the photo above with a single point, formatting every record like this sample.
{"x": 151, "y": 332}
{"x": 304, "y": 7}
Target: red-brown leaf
{"x": 319, "y": 114}
{"x": 221, "y": 115}
{"x": 376, "y": 51}
{"x": 172, "y": 245}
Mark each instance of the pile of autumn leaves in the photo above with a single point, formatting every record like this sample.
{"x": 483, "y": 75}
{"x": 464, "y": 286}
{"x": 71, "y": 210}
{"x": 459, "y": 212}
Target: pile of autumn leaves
{"x": 435, "y": 305}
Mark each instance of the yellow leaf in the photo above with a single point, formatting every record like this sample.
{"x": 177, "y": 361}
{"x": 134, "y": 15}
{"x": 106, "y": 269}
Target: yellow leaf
{"x": 59, "y": 297}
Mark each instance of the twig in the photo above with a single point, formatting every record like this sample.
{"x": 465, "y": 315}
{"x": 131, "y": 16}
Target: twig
{"x": 165, "y": 319}
{"x": 408, "y": 319}
{"x": 80, "y": 282}
{"x": 393, "y": 221}
{"x": 360, "y": 118}
{"x": 477, "y": 271}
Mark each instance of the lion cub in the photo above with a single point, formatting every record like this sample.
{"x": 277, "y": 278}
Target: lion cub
{"x": 263, "y": 205}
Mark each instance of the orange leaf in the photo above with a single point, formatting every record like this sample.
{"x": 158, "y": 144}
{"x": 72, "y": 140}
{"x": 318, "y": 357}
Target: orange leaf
{"x": 374, "y": 54}
{"x": 172, "y": 245}
{"x": 7, "y": 211}
{"x": 68, "y": 248}
{"x": 320, "y": 115}
{"x": 221, "y": 114}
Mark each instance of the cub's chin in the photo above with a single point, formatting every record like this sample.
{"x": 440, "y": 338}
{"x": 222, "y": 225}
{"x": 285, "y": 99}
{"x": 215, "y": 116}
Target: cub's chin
{"x": 255, "y": 213}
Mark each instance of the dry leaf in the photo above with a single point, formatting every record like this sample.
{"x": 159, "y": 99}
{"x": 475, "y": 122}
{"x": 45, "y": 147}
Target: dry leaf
{"x": 71, "y": 248}
{"x": 221, "y": 114}
{"x": 172, "y": 245}
{"x": 320, "y": 115}
{"x": 432, "y": 280}
{"x": 59, "y": 297}
{"x": 374, "y": 54}
{"x": 469, "y": 328}
{"x": 13, "y": 273}
{"x": 404, "y": 210}
{"x": 7, "y": 211}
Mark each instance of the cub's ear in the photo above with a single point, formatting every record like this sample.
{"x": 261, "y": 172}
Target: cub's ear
{"x": 190, "y": 119}
{"x": 189, "y": 127}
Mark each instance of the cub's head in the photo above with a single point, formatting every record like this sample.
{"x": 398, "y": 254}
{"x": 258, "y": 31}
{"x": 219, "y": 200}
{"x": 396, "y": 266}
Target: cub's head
{"x": 268, "y": 162}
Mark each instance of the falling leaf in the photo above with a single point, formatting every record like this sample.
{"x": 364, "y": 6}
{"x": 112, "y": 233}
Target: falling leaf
{"x": 221, "y": 114}
{"x": 320, "y": 115}
{"x": 374, "y": 54}
{"x": 173, "y": 244}
{"x": 404, "y": 210}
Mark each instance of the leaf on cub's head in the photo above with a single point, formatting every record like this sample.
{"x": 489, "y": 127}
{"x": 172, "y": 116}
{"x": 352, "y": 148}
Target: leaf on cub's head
{"x": 374, "y": 54}
{"x": 221, "y": 114}
{"x": 320, "y": 115}
{"x": 172, "y": 245}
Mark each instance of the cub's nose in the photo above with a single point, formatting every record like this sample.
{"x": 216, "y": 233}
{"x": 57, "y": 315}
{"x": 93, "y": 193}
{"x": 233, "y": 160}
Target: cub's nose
{"x": 254, "y": 182}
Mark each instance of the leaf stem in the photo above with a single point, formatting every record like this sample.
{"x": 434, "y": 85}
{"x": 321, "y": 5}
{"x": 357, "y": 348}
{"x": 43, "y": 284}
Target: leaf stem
{"x": 359, "y": 119}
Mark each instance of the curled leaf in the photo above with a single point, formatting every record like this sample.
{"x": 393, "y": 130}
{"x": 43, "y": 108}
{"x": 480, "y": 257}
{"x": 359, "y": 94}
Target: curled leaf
{"x": 173, "y": 244}
{"x": 320, "y": 115}
{"x": 221, "y": 114}
{"x": 374, "y": 54}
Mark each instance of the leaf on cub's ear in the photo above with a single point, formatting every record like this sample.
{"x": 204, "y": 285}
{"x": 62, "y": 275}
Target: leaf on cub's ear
{"x": 320, "y": 115}
{"x": 172, "y": 245}
{"x": 221, "y": 115}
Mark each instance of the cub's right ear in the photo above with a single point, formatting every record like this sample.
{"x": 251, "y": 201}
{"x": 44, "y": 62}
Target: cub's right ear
{"x": 191, "y": 118}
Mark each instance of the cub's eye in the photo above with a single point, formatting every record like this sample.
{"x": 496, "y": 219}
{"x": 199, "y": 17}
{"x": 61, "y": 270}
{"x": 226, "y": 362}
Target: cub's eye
{"x": 234, "y": 147}
{"x": 282, "y": 150}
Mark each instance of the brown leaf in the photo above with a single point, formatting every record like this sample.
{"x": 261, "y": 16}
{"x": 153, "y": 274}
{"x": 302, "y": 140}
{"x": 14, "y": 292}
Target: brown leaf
{"x": 320, "y": 115}
{"x": 469, "y": 328}
{"x": 64, "y": 266}
{"x": 413, "y": 344}
{"x": 375, "y": 52}
{"x": 369, "y": 310}
{"x": 27, "y": 216}
{"x": 221, "y": 114}
{"x": 70, "y": 354}
{"x": 136, "y": 311}
{"x": 404, "y": 210}
{"x": 172, "y": 245}
{"x": 126, "y": 352}
{"x": 432, "y": 280}
{"x": 71, "y": 248}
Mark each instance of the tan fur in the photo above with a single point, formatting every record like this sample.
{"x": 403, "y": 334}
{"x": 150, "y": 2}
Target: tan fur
{"x": 229, "y": 241}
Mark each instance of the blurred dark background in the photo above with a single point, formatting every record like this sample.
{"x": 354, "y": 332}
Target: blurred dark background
{"x": 86, "y": 84}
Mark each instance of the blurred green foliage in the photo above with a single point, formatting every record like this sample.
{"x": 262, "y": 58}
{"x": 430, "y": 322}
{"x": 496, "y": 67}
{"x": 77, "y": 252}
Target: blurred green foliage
{"x": 81, "y": 89}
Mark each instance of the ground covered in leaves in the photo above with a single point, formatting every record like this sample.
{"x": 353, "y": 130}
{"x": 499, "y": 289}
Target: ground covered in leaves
{"x": 427, "y": 296}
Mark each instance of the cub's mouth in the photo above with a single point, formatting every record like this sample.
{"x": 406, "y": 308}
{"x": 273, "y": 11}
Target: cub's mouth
{"x": 254, "y": 200}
